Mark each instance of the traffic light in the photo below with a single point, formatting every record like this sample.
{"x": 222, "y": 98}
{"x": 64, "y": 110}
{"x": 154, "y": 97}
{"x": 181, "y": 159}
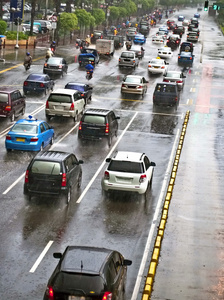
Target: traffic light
{"x": 18, "y": 21}
{"x": 206, "y": 6}
{"x": 216, "y": 7}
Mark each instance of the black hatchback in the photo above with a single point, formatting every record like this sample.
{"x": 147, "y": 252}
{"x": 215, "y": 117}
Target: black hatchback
{"x": 166, "y": 94}
{"x": 88, "y": 273}
{"x": 98, "y": 123}
{"x": 53, "y": 173}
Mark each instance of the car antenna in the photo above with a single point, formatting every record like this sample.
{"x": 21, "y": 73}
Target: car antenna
{"x": 81, "y": 265}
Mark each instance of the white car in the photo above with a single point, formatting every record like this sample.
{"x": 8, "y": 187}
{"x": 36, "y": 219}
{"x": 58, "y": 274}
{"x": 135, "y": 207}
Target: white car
{"x": 134, "y": 84}
{"x": 157, "y": 66}
{"x": 165, "y": 52}
{"x": 156, "y": 39}
{"x": 185, "y": 22}
{"x": 128, "y": 171}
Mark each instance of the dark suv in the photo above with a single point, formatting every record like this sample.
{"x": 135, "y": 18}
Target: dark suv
{"x": 166, "y": 94}
{"x": 53, "y": 173}
{"x": 88, "y": 273}
{"x": 12, "y": 103}
{"x": 97, "y": 123}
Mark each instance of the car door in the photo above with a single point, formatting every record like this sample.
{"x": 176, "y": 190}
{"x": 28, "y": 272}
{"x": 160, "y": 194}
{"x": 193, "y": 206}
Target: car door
{"x": 112, "y": 123}
{"x": 72, "y": 169}
{"x": 144, "y": 82}
{"x": 43, "y": 135}
{"x": 47, "y": 133}
{"x": 17, "y": 102}
{"x": 65, "y": 66}
{"x": 148, "y": 168}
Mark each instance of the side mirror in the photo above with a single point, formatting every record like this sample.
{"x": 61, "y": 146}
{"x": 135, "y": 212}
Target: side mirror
{"x": 152, "y": 164}
{"x": 80, "y": 162}
{"x": 108, "y": 159}
{"x": 57, "y": 255}
{"x": 127, "y": 262}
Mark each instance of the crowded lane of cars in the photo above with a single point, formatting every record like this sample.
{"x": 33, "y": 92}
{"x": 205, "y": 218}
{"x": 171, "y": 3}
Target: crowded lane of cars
{"x": 41, "y": 167}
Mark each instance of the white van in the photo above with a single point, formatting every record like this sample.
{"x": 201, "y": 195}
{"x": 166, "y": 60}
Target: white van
{"x": 105, "y": 47}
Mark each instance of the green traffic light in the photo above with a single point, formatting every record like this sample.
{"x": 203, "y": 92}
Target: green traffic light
{"x": 215, "y": 6}
{"x": 205, "y": 9}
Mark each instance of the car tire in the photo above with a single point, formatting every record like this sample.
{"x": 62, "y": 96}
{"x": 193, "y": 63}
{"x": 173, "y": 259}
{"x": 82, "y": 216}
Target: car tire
{"x": 109, "y": 140}
{"x": 23, "y": 111}
{"x": 62, "y": 74}
{"x": 48, "y": 117}
{"x": 150, "y": 183}
{"x": 25, "y": 92}
{"x": 45, "y": 92}
{"x": 13, "y": 117}
{"x": 42, "y": 147}
{"x": 79, "y": 181}
{"x": 68, "y": 196}
{"x": 8, "y": 150}
{"x": 52, "y": 140}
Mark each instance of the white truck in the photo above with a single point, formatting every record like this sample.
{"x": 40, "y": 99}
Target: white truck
{"x": 105, "y": 47}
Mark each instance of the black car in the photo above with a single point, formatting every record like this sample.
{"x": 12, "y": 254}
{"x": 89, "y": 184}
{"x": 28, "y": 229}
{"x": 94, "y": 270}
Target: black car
{"x": 85, "y": 89}
{"x": 173, "y": 41}
{"x": 53, "y": 173}
{"x": 98, "y": 123}
{"x": 166, "y": 94}
{"x": 195, "y": 22}
{"x": 187, "y": 46}
{"x": 144, "y": 29}
{"x": 179, "y": 29}
{"x": 88, "y": 273}
{"x": 55, "y": 66}
{"x": 38, "y": 83}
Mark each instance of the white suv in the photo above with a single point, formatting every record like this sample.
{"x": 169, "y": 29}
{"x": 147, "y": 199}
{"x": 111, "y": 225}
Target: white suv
{"x": 128, "y": 171}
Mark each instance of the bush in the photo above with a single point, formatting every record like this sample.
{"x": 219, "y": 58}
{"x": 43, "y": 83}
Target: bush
{"x": 3, "y": 26}
{"x": 12, "y": 35}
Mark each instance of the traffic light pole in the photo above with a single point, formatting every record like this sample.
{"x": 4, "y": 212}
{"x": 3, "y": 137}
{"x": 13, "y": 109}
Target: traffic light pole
{"x": 17, "y": 34}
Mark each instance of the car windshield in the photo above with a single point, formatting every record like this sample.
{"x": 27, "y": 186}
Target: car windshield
{"x": 3, "y": 98}
{"x": 125, "y": 166}
{"x": 127, "y": 55}
{"x": 133, "y": 80}
{"x": 36, "y": 77}
{"x": 46, "y": 167}
{"x": 94, "y": 119}
{"x": 75, "y": 87}
{"x": 25, "y": 128}
{"x": 164, "y": 88}
{"x": 173, "y": 74}
{"x": 60, "y": 98}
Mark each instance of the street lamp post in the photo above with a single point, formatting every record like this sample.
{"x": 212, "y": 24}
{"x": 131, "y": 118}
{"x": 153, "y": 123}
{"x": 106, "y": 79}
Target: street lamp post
{"x": 17, "y": 34}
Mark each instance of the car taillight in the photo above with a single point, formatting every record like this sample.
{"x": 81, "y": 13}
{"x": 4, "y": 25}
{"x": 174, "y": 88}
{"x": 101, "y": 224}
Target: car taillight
{"x": 139, "y": 87}
{"x": 72, "y": 107}
{"x": 45, "y": 64}
{"x": 176, "y": 98}
{"x": 190, "y": 57}
{"x": 34, "y": 139}
{"x": 133, "y": 61}
{"x": 165, "y": 80}
{"x": 63, "y": 181}
{"x": 149, "y": 66}
{"x": 8, "y": 138}
{"x": 162, "y": 67}
{"x": 177, "y": 42}
{"x": 107, "y": 128}
{"x": 106, "y": 175}
{"x": 50, "y": 293}
{"x": 180, "y": 81}
{"x": 178, "y": 56}
{"x": 80, "y": 125}
{"x": 27, "y": 177}
{"x": 8, "y": 108}
{"x": 142, "y": 178}
{"x": 107, "y": 296}
{"x": 25, "y": 83}
{"x": 41, "y": 84}
{"x": 60, "y": 66}
{"x": 47, "y": 104}
{"x": 123, "y": 85}
{"x": 82, "y": 95}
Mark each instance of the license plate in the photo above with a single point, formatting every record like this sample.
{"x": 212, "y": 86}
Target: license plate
{"x": 155, "y": 67}
{"x": 59, "y": 107}
{"x": 76, "y": 298}
{"x": 20, "y": 140}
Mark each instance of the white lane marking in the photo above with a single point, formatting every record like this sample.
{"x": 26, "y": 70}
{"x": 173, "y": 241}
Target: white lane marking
{"x": 154, "y": 222}
{"x": 38, "y": 261}
{"x": 64, "y": 136}
{"x": 103, "y": 163}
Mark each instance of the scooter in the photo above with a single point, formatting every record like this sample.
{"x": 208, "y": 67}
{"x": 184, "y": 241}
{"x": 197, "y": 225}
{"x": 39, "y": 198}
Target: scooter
{"x": 52, "y": 50}
{"x": 128, "y": 47}
{"x": 27, "y": 65}
{"x": 89, "y": 75}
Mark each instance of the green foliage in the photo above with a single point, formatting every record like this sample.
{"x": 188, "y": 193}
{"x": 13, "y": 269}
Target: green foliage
{"x": 12, "y": 35}
{"x": 114, "y": 13}
{"x": 83, "y": 17}
{"x": 68, "y": 22}
{"x": 129, "y": 5}
{"x": 99, "y": 15}
{"x": 123, "y": 12}
{"x": 3, "y": 26}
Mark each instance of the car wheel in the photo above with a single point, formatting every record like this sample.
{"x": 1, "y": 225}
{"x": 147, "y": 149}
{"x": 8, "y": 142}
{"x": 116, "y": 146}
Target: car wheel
{"x": 75, "y": 117}
{"x": 52, "y": 140}
{"x": 13, "y": 117}
{"x": 109, "y": 140}
{"x": 23, "y": 111}
{"x": 62, "y": 74}
{"x": 150, "y": 183}
{"x": 8, "y": 150}
{"x": 42, "y": 147}
{"x": 79, "y": 181}
{"x": 116, "y": 132}
{"x": 28, "y": 197}
{"x": 25, "y": 92}
{"x": 45, "y": 92}
{"x": 90, "y": 98}
{"x": 68, "y": 196}
{"x": 48, "y": 117}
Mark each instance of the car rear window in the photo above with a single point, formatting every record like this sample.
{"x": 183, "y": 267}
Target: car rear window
{"x": 173, "y": 75}
{"x": 82, "y": 284}
{"x": 125, "y": 166}
{"x": 36, "y": 77}
{"x": 46, "y": 167}
{"x": 163, "y": 88}
{"x": 133, "y": 80}
{"x": 75, "y": 87}
{"x": 94, "y": 119}
{"x": 24, "y": 128}
{"x": 3, "y": 98}
{"x": 126, "y": 54}
{"x": 60, "y": 98}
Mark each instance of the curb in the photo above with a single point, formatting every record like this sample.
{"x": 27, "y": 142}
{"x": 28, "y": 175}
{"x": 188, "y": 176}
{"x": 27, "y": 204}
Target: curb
{"x": 164, "y": 216}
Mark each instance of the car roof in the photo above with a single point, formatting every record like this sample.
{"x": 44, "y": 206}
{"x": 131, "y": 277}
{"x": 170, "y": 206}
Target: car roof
{"x": 129, "y": 156}
{"x": 51, "y": 155}
{"x": 76, "y": 83}
{"x": 29, "y": 121}
{"x": 84, "y": 259}
{"x": 64, "y": 91}
{"x": 8, "y": 89}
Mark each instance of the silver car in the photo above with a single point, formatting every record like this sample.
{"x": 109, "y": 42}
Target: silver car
{"x": 175, "y": 76}
{"x": 128, "y": 171}
{"x": 192, "y": 36}
{"x": 134, "y": 84}
{"x": 128, "y": 59}
{"x": 65, "y": 103}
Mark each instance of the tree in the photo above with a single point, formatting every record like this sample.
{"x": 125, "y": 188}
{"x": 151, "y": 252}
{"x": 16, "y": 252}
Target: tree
{"x": 99, "y": 16}
{"x": 3, "y": 27}
{"x": 85, "y": 19}
{"x": 68, "y": 22}
{"x": 114, "y": 13}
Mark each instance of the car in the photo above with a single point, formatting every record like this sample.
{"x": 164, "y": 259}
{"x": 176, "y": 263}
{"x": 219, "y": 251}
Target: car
{"x": 98, "y": 123}
{"x": 197, "y": 15}
{"x": 192, "y": 36}
{"x": 53, "y": 173}
{"x": 175, "y": 76}
{"x": 45, "y": 25}
{"x": 128, "y": 59}
{"x": 162, "y": 34}
{"x": 157, "y": 66}
{"x": 185, "y": 22}
{"x": 169, "y": 21}
{"x": 185, "y": 58}
{"x": 165, "y": 52}
{"x": 199, "y": 9}
{"x": 179, "y": 29}
{"x": 181, "y": 18}
{"x": 139, "y": 51}
{"x": 129, "y": 172}
{"x": 39, "y": 83}
{"x": 134, "y": 84}
{"x": 194, "y": 29}
{"x": 93, "y": 52}
{"x": 187, "y": 46}
{"x": 86, "y": 272}
{"x": 195, "y": 22}
{"x": 164, "y": 29}
{"x": 64, "y": 103}
{"x": 26, "y": 28}
{"x": 85, "y": 89}
{"x": 144, "y": 29}
{"x": 139, "y": 39}
{"x": 55, "y": 66}
{"x": 131, "y": 32}
{"x": 12, "y": 103}
{"x": 173, "y": 41}
{"x": 97, "y": 34}
{"x": 166, "y": 94}
{"x": 172, "y": 25}
{"x": 29, "y": 134}
{"x": 158, "y": 39}
{"x": 6, "y": 17}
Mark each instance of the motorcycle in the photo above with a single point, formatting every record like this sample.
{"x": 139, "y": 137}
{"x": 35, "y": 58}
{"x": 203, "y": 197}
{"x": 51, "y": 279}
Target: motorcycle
{"x": 52, "y": 50}
{"x": 27, "y": 65}
{"x": 89, "y": 75}
{"x": 128, "y": 47}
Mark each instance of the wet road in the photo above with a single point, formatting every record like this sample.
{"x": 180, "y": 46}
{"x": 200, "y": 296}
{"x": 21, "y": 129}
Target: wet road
{"x": 123, "y": 221}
